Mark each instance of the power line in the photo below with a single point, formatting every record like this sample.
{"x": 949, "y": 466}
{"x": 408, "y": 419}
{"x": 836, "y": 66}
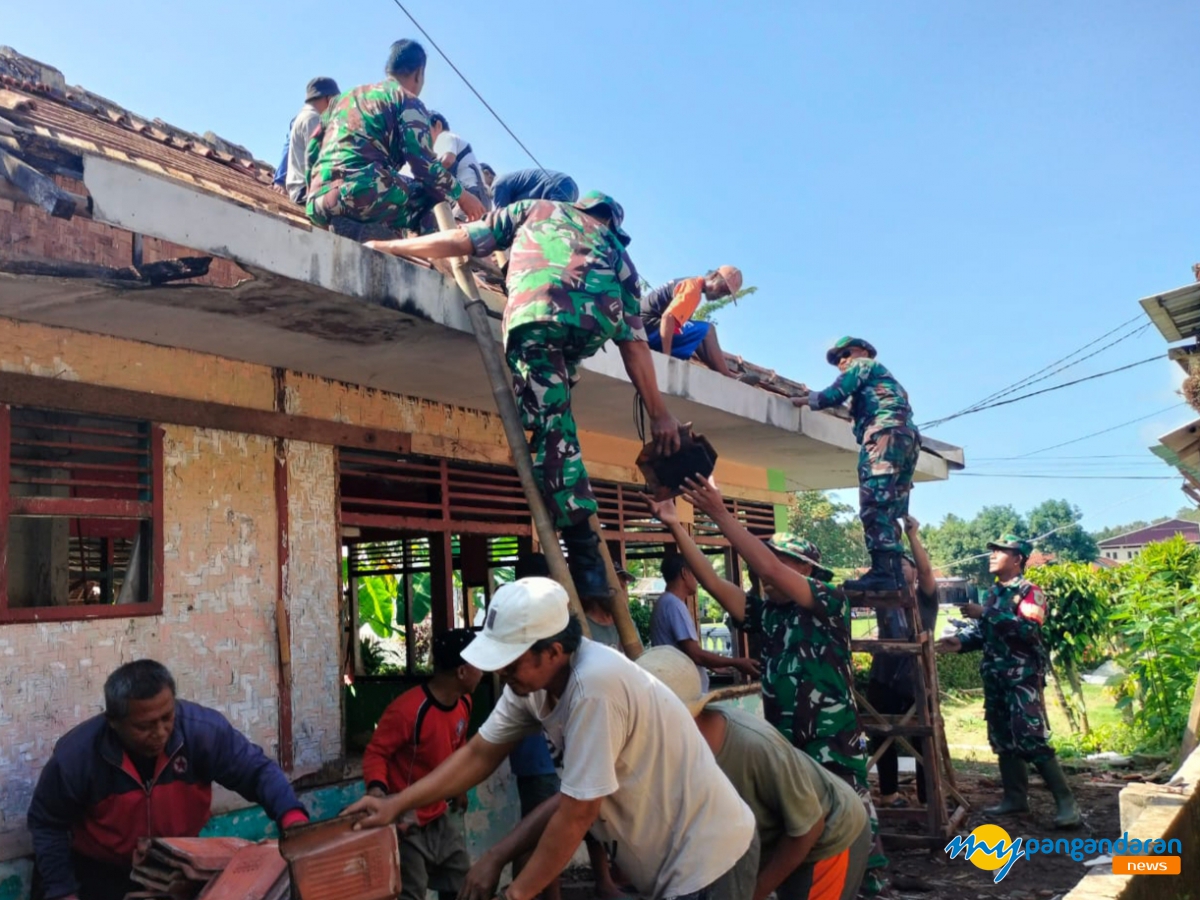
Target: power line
{"x": 467, "y": 82}
{"x": 1136, "y": 332}
{"x": 1028, "y": 379}
{"x": 1057, "y": 387}
{"x": 1093, "y": 434}
{"x": 1060, "y": 477}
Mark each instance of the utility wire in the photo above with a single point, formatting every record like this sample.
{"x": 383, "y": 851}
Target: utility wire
{"x": 1059, "y": 477}
{"x": 1092, "y": 435}
{"x": 1017, "y": 385}
{"x": 1135, "y": 333}
{"x": 1057, "y": 387}
{"x": 467, "y": 82}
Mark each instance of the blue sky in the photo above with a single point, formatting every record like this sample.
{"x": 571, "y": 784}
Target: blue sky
{"x": 978, "y": 188}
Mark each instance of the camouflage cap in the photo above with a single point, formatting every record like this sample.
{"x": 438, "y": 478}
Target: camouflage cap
{"x": 796, "y": 547}
{"x": 831, "y": 355}
{"x": 594, "y": 199}
{"x": 1009, "y": 541}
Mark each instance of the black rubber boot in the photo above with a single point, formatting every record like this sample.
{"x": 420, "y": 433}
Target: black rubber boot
{"x": 884, "y": 575}
{"x": 1067, "y": 815}
{"x": 1014, "y": 775}
{"x": 585, "y": 562}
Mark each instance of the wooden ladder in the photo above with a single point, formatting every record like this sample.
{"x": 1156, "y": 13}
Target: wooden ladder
{"x": 923, "y": 720}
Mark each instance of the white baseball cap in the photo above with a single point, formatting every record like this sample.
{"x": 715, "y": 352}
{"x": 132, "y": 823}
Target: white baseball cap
{"x": 521, "y": 613}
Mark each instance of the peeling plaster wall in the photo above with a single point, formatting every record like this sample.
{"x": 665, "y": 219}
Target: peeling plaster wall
{"x": 217, "y": 630}
{"x": 312, "y": 582}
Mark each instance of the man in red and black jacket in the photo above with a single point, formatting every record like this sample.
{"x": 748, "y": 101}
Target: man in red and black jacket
{"x": 419, "y": 730}
{"x": 144, "y": 768}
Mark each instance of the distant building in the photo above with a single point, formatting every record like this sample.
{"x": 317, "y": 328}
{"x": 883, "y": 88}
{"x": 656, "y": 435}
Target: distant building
{"x": 1123, "y": 547}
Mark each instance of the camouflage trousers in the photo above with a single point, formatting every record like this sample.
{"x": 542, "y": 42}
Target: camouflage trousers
{"x": 386, "y": 197}
{"x": 1015, "y": 712}
{"x": 542, "y": 357}
{"x": 886, "y": 463}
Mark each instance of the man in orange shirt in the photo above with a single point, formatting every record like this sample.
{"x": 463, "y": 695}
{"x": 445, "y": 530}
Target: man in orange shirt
{"x": 667, "y": 313}
{"x": 419, "y": 730}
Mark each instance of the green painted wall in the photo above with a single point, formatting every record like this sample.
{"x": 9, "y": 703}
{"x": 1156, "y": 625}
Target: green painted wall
{"x": 777, "y": 481}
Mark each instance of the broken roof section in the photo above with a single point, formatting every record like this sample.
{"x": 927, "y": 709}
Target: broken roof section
{"x": 304, "y": 299}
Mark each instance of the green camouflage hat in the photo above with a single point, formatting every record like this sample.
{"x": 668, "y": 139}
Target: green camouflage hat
{"x": 593, "y": 199}
{"x": 796, "y": 547}
{"x": 1009, "y": 541}
{"x": 831, "y": 354}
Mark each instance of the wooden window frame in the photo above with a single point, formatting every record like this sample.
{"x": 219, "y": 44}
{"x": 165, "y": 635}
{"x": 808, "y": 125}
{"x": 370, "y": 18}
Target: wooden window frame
{"x": 151, "y": 511}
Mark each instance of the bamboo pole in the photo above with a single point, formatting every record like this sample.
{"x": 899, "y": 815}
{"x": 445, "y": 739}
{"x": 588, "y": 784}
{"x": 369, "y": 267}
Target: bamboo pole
{"x": 631, "y": 641}
{"x": 514, "y": 431}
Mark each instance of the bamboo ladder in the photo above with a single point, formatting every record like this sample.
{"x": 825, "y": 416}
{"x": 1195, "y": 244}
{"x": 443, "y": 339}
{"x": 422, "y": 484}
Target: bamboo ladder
{"x": 922, "y": 720}
{"x": 514, "y": 432}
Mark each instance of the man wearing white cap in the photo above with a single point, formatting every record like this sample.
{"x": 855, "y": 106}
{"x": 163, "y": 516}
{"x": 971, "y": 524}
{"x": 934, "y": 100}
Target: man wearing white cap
{"x": 635, "y": 771}
{"x": 814, "y": 831}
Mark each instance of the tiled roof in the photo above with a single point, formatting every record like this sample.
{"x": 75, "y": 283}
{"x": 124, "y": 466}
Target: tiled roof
{"x": 50, "y": 118}
{"x": 47, "y": 113}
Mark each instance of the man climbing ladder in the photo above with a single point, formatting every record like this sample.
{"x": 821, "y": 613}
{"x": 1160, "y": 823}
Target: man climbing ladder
{"x": 571, "y": 288}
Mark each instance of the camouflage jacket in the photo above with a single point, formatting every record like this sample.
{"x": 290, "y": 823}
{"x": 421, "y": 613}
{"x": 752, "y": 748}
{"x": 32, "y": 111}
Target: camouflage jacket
{"x": 877, "y": 400}
{"x": 373, "y": 128}
{"x": 563, "y": 267}
{"x": 1010, "y": 630}
{"x": 806, "y": 672}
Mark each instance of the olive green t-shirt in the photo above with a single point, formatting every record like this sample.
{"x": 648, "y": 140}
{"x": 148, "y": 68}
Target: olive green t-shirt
{"x": 786, "y": 789}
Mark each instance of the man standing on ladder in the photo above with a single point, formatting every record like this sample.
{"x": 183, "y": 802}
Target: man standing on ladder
{"x": 571, "y": 288}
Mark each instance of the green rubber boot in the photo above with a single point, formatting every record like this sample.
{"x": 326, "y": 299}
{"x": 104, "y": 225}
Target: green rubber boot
{"x": 1068, "y": 810}
{"x": 1014, "y": 775}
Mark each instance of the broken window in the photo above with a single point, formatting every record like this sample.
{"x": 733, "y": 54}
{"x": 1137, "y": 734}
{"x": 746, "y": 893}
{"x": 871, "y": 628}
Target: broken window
{"x": 80, "y": 506}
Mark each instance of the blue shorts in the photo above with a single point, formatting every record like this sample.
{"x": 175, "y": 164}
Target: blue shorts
{"x": 686, "y": 342}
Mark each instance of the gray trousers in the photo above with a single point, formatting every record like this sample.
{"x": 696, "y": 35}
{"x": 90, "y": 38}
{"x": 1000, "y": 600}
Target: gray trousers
{"x": 434, "y": 857}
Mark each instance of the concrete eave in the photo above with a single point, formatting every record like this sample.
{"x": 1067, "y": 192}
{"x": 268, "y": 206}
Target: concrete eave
{"x": 324, "y": 305}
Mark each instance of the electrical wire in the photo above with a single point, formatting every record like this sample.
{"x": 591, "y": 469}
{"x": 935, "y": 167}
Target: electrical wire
{"x": 467, "y": 82}
{"x": 1057, "y": 387}
{"x": 1093, "y": 434}
{"x": 1028, "y": 379}
{"x": 1061, "y": 477}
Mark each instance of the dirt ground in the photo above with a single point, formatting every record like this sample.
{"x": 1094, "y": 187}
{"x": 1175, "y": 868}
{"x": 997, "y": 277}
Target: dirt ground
{"x": 918, "y": 873}
{"x": 921, "y": 875}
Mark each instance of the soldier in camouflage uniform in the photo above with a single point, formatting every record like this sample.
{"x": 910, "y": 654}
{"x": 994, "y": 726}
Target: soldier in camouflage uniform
{"x": 1013, "y": 668}
{"x": 365, "y": 138}
{"x": 889, "y": 446}
{"x": 571, "y": 289}
{"x": 807, "y": 679}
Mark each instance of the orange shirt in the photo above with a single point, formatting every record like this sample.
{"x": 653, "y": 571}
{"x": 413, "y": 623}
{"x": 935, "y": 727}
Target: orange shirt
{"x": 686, "y": 297}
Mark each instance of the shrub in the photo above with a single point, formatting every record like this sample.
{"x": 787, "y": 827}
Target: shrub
{"x": 959, "y": 671}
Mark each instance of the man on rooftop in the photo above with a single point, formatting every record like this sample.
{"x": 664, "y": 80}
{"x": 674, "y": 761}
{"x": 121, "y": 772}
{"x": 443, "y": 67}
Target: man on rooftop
{"x": 365, "y": 139}
{"x": 667, "y": 314}
{"x": 571, "y": 289}
{"x": 533, "y": 184}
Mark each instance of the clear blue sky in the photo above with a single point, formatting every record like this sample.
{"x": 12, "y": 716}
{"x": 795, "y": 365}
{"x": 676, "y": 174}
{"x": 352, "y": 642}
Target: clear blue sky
{"x": 978, "y": 188}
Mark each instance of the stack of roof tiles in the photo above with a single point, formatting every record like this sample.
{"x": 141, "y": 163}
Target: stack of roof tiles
{"x": 209, "y": 869}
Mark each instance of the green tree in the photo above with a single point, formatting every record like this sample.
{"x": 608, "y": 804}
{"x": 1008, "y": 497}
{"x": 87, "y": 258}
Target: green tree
{"x": 1113, "y": 530}
{"x": 1069, "y": 542}
{"x": 833, "y": 526}
{"x": 1157, "y": 621}
{"x": 955, "y": 546}
{"x": 709, "y": 308}
{"x": 1076, "y": 627}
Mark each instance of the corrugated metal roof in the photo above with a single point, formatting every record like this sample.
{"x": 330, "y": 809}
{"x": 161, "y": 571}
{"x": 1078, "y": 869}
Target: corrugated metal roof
{"x": 1175, "y": 313}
